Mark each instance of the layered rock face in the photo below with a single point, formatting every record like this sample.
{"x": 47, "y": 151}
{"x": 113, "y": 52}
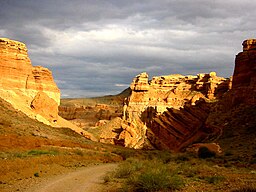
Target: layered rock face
{"x": 17, "y": 72}
{"x": 245, "y": 65}
{"x": 86, "y": 116}
{"x": 24, "y": 86}
{"x": 171, "y": 112}
{"x": 244, "y": 78}
{"x": 165, "y": 112}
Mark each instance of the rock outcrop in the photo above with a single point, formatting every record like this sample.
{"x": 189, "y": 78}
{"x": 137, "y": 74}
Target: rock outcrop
{"x": 244, "y": 78}
{"x": 24, "y": 86}
{"x": 245, "y": 66}
{"x": 29, "y": 89}
{"x": 165, "y": 112}
{"x": 18, "y": 74}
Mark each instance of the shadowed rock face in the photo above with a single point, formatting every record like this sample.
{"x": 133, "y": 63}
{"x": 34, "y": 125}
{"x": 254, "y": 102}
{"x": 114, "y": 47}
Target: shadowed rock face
{"x": 245, "y": 66}
{"x": 244, "y": 78}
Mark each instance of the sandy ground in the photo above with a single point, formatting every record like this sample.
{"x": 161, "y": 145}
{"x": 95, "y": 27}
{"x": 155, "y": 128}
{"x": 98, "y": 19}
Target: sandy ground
{"x": 82, "y": 180}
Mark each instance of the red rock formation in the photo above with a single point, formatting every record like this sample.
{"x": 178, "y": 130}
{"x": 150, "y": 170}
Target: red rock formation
{"x": 155, "y": 113}
{"x": 17, "y": 72}
{"x": 24, "y": 85}
{"x": 29, "y": 89}
{"x": 244, "y": 78}
{"x": 175, "y": 129}
{"x": 45, "y": 106}
{"x": 245, "y": 65}
{"x": 86, "y": 116}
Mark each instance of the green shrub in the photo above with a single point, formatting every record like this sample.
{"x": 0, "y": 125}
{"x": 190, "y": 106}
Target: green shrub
{"x": 124, "y": 170}
{"x": 163, "y": 156}
{"x": 42, "y": 152}
{"x": 124, "y": 153}
{"x": 79, "y": 152}
{"x": 146, "y": 175}
{"x": 36, "y": 174}
{"x": 188, "y": 170}
{"x": 204, "y": 153}
{"x": 155, "y": 180}
{"x": 183, "y": 157}
{"x": 107, "y": 178}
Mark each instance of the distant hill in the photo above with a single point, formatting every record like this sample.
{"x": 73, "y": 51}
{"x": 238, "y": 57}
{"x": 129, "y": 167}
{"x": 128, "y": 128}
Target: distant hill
{"x": 107, "y": 99}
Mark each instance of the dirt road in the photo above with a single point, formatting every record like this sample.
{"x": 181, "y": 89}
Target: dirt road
{"x": 82, "y": 180}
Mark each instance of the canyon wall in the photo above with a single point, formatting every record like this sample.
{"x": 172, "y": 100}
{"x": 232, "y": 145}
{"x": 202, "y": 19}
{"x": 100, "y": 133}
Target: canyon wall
{"x": 26, "y": 87}
{"x": 171, "y": 112}
{"x": 29, "y": 89}
{"x": 244, "y": 78}
{"x": 168, "y": 111}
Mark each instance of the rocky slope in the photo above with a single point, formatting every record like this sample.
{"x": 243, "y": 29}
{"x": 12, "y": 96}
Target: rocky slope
{"x": 29, "y": 89}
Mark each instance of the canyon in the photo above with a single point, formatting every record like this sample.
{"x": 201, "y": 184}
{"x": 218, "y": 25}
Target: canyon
{"x": 166, "y": 112}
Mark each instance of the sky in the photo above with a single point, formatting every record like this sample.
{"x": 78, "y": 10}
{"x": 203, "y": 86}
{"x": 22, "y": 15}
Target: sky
{"x": 96, "y": 47}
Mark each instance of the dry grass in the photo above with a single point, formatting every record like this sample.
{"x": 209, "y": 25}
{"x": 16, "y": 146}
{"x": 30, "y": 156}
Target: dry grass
{"x": 178, "y": 174}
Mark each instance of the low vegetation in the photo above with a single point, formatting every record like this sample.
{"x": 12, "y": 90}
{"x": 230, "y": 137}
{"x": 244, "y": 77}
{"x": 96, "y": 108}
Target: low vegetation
{"x": 30, "y": 150}
{"x": 163, "y": 171}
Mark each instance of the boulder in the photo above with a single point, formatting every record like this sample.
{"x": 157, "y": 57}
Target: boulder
{"x": 45, "y": 106}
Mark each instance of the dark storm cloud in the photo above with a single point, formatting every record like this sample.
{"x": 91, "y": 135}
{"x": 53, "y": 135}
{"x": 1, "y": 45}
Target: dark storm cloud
{"x": 96, "y": 47}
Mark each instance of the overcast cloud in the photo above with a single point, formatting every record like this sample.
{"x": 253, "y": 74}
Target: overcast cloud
{"x": 96, "y": 47}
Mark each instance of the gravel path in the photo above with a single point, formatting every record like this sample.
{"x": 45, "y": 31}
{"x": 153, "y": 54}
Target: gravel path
{"x": 82, "y": 180}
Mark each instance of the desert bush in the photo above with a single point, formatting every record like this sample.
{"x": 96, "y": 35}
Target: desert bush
{"x": 204, "y": 152}
{"x": 108, "y": 177}
{"x": 253, "y": 161}
{"x": 124, "y": 153}
{"x": 158, "y": 179}
{"x": 42, "y": 152}
{"x": 163, "y": 156}
{"x": 36, "y": 174}
{"x": 146, "y": 175}
{"x": 124, "y": 170}
{"x": 188, "y": 170}
{"x": 127, "y": 168}
{"x": 183, "y": 157}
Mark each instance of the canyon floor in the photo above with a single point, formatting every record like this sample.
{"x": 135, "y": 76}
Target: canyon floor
{"x": 83, "y": 179}
{"x": 34, "y": 156}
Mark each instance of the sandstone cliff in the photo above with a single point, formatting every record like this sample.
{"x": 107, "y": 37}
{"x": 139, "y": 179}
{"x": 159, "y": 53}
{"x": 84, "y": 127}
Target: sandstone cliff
{"x": 172, "y": 112}
{"x": 165, "y": 112}
{"x": 234, "y": 114}
{"x": 244, "y": 78}
{"x": 20, "y": 82}
{"x": 29, "y": 89}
